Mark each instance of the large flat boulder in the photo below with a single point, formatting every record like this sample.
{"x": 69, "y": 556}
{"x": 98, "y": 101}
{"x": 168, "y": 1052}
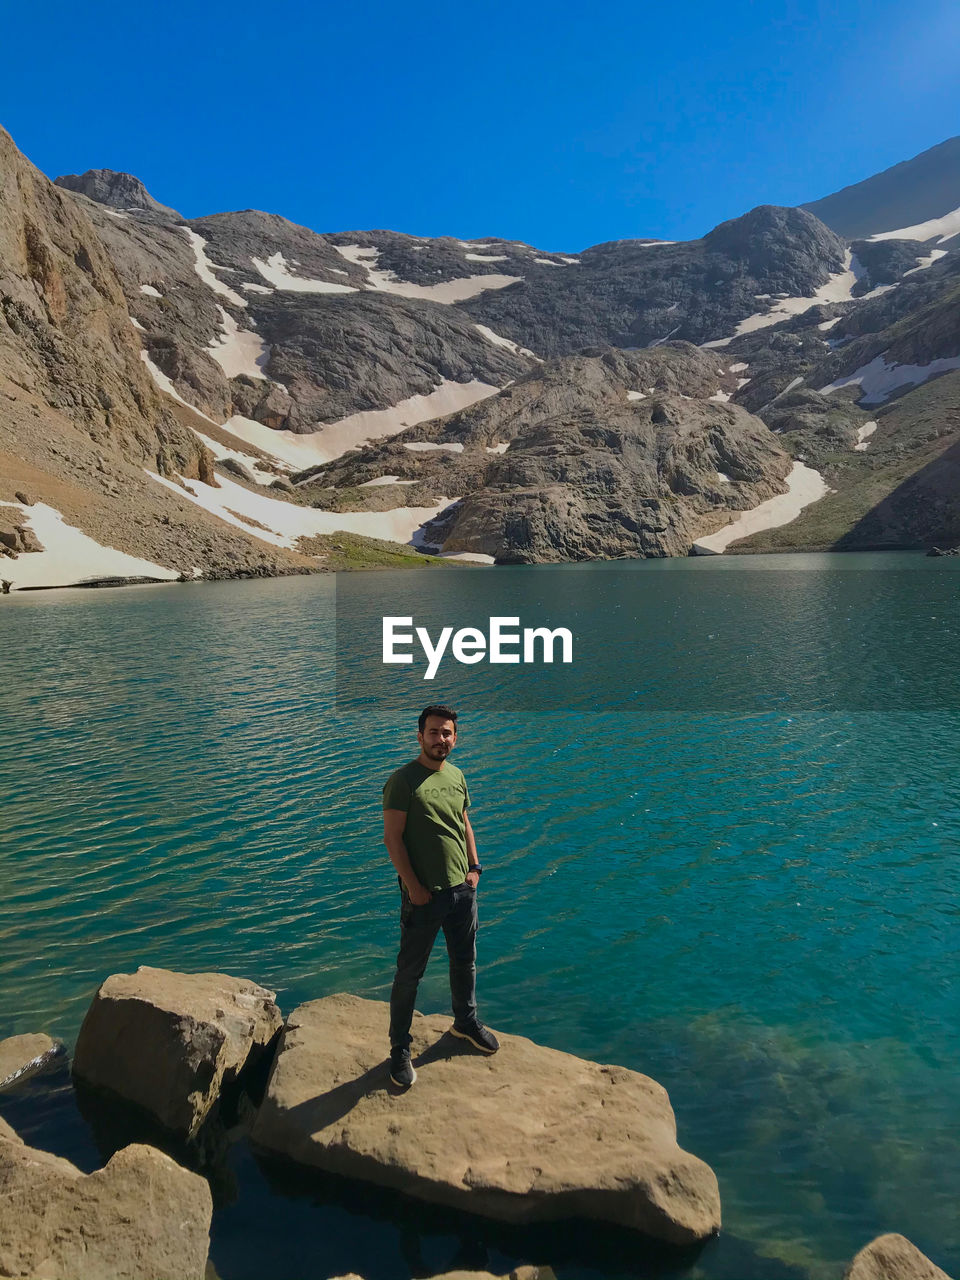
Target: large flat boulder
{"x": 892, "y": 1257}
{"x": 169, "y": 1042}
{"x": 527, "y": 1135}
{"x": 141, "y": 1217}
{"x": 21, "y": 1056}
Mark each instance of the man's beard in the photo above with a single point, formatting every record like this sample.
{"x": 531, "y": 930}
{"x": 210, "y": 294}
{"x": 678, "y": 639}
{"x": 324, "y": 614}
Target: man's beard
{"x": 439, "y": 751}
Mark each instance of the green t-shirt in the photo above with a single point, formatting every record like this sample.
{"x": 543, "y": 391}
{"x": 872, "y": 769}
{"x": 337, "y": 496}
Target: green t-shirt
{"x": 434, "y": 801}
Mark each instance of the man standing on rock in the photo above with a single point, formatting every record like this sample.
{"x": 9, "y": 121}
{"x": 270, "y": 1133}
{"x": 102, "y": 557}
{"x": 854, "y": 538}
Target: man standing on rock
{"x": 431, "y": 845}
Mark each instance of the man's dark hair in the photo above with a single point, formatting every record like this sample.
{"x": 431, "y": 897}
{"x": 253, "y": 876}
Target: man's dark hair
{"x": 436, "y": 709}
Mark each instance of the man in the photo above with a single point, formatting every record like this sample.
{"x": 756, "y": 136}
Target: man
{"x": 430, "y": 841}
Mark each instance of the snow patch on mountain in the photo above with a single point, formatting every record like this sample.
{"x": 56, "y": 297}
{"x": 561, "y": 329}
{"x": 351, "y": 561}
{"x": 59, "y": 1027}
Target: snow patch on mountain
{"x": 286, "y": 522}
{"x": 335, "y": 438}
{"x": 447, "y": 291}
{"x": 239, "y": 351}
{"x": 863, "y": 435}
{"x": 205, "y": 268}
{"x": 150, "y": 291}
{"x": 70, "y": 556}
{"x": 804, "y": 486}
{"x": 275, "y": 270}
{"x": 486, "y": 257}
{"x": 933, "y": 256}
{"x": 427, "y": 446}
{"x": 945, "y": 228}
{"x": 879, "y": 381}
{"x": 499, "y": 341}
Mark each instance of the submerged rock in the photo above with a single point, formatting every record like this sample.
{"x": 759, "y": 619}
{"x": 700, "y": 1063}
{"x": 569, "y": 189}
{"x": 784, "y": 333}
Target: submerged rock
{"x": 530, "y": 1134}
{"x": 21, "y": 1056}
{"x": 169, "y": 1042}
{"x": 892, "y": 1257}
{"x": 138, "y": 1218}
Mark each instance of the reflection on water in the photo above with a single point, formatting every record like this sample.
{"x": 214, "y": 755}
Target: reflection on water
{"x": 759, "y": 908}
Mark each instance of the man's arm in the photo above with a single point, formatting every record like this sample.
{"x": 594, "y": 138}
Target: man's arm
{"x": 394, "y": 822}
{"x": 473, "y": 859}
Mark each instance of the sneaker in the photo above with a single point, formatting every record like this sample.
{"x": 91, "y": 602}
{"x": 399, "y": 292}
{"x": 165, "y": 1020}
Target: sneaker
{"x": 401, "y": 1068}
{"x": 478, "y": 1035}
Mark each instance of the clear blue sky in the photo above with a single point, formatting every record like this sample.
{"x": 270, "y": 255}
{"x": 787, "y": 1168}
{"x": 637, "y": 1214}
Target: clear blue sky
{"x": 559, "y": 124}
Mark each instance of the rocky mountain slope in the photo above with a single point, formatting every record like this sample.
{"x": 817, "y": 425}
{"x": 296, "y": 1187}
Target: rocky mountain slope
{"x": 222, "y": 395}
{"x": 909, "y": 193}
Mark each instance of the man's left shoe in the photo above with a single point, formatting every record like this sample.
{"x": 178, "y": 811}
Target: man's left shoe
{"x": 478, "y": 1035}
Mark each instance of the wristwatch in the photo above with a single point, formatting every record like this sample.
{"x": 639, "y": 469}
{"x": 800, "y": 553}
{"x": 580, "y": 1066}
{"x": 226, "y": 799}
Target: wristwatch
{"x": 478, "y": 869}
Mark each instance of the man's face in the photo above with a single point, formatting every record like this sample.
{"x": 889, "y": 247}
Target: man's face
{"x": 438, "y": 738}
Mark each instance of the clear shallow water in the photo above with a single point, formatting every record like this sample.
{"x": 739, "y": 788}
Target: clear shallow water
{"x": 758, "y": 908}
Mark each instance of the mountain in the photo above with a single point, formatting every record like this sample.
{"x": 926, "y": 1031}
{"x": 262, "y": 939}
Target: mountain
{"x": 485, "y": 399}
{"x": 118, "y": 190}
{"x": 906, "y": 195}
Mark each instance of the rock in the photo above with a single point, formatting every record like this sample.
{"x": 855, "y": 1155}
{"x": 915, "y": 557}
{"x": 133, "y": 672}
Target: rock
{"x": 892, "y": 1257}
{"x": 169, "y": 1042}
{"x": 17, "y": 538}
{"x": 24, "y": 498}
{"x": 119, "y": 190}
{"x": 21, "y": 1056}
{"x": 237, "y": 468}
{"x": 283, "y": 484}
{"x": 530, "y": 1134}
{"x": 518, "y": 1273}
{"x": 939, "y": 551}
{"x": 138, "y": 1218}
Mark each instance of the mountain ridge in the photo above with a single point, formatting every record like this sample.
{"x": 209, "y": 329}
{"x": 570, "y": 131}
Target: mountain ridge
{"x": 300, "y": 363}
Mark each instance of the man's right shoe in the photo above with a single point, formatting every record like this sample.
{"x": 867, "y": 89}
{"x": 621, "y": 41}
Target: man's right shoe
{"x": 401, "y": 1068}
{"x": 478, "y": 1035}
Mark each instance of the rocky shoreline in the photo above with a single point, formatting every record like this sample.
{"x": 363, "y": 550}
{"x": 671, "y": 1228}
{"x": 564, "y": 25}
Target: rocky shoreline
{"x": 206, "y": 1060}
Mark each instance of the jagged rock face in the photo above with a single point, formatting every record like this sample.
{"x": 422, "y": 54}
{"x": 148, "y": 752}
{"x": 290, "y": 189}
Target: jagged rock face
{"x": 119, "y": 190}
{"x": 337, "y": 356}
{"x": 634, "y": 293}
{"x": 65, "y": 334}
{"x": 609, "y": 454}
{"x": 325, "y": 355}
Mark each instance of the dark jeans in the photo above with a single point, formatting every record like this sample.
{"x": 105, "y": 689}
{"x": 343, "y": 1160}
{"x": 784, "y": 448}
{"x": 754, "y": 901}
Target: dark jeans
{"x": 455, "y": 912}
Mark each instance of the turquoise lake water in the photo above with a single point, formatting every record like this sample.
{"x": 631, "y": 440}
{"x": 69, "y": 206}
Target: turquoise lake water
{"x": 722, "y": 849}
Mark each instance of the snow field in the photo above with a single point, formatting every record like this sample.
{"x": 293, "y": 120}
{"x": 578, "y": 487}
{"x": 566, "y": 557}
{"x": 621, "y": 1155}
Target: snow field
{"x": 286, "y": 522}
{"x": 945, "y": 228}
{"x": 863, "y": 434}
{"x": 239, "y": 351}
{"x": 276, "y": 271}
{"x": 879, "y": 380}
{"x": 508, "y": 343}
{"x": 336, "y": 438}
{"x": 427, "y": 446}
{"x": 205, "y": 268}
{"x": 70, "y": 556}
{"x": 447, "y": 291}
{"x": 805, "y": 486}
